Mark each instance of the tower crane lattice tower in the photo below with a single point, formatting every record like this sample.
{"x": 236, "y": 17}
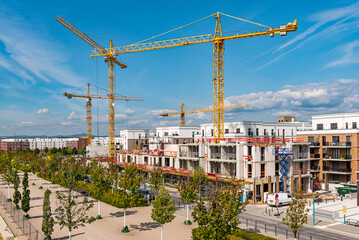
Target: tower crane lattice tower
{"x": 88, "y": 106}
{"x": 110, "y": 58}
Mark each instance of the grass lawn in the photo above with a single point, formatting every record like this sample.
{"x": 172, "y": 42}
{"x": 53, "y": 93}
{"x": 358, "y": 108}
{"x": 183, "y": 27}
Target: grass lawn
{"x": 246, "y": 235}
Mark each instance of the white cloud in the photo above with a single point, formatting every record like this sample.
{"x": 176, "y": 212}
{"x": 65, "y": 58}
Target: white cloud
{"x": 67, "y": 123}
{"x": 26, "y": 124}
{"x": 36, "y": 54}
{"x": 130, "y": 111}
{"x": 341, "y": 17}
{"x": 43, "y": 111}
{"x": 339, "y": 95}
{"x": 349, "y": 55}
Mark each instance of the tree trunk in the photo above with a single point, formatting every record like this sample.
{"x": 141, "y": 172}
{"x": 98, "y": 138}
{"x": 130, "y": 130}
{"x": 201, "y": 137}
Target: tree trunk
{"x": 124, "y": 218}
{"x": 161, "y": 231}
{"x": 187, "y": 211}
{"x": 70, "y": 235}
{"x": 99, "y": 207}
{"x": 33, "y": 178}
{"x": 8, "y": 191}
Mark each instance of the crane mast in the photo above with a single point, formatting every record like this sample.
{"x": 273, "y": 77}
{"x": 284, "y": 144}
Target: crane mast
{"x": 89, "y": 97}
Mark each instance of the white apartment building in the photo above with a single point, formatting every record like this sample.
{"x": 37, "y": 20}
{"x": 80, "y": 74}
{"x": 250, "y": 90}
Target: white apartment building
{"x": 247, "y": 153}
{"x": 42, "y": 143}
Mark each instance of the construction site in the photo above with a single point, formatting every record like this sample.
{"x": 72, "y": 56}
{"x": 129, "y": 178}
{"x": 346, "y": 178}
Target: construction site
{"x": 145, "y": 84}
{"x": 268, "y": 156}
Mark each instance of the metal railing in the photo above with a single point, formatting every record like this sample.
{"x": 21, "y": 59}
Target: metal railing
{"x": 18, "y": 217}
{"x": 328, "y": 169}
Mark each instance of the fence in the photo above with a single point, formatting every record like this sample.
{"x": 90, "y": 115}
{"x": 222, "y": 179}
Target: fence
{"x": 263, "y": 226}
{"x": 17, "y": 216}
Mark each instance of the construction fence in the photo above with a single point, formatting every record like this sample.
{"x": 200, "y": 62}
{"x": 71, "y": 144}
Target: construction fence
{"x": 18, "y": 217}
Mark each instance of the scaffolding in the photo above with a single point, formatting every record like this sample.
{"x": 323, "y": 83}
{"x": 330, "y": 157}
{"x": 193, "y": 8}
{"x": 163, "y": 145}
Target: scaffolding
{"x": 283, "y": 153}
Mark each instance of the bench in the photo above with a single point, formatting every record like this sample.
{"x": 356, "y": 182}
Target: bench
{"x": 352, "y": 222}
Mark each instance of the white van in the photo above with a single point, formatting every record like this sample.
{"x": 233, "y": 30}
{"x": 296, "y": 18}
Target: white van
{"x": 284, "y": 198}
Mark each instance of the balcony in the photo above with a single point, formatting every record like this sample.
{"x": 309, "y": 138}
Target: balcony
{"x": 314, "y": 144}
{"x": 314, "y": 168}
{"x": 189, "y": 154}
{"x": 337, "y": 144}
{"x": 337, "y": 170}
{"x": 329, "y": 157}
{"x": 302, "y": 171}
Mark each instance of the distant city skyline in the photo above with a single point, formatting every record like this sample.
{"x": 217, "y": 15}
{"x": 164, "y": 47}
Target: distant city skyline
{"x": 310, "y": 71}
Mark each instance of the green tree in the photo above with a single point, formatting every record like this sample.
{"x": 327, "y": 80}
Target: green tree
{"x": 98, "y": 187}
{"x": 25, "y": 201}
{"x": 129, "y": 183}
{"x": 8, "y": 177}
{"x": 64, "y": 151}
{"x": 220, "y": 220}
{"x": 47, "y": 219}
{"x": 297, "y": 213}
{"x": 155, "y": 180}
{"x": 188, "y": 191}
{"x": 17, "y": 194}
{"x": 53, "y": 150}
{"x": 36, "y": 151}
{"x": 72, "y": 214}
{"x": 163, "y": 208}
{"x": 46, "y": 149}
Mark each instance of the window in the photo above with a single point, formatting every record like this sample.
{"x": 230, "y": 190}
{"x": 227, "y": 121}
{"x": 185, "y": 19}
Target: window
{"x": 202, "y": 133}
{"x": 354, "y": 124}
{"x": 250, "y": 131}
{"x": 336, "y": 153}
{"x": 333, "y": 126}
{"x": 272, "y": 132}
{"x": 320, "y": 126}
{"x": 257, "y": 131}
{"x": 166, "y": 133}
{"x": 263, "y": 149}
{"x": 238, "y": 130}
{"x": 348, "y": 140}
{"x": 335, "y": 139}
{"x": 283, "y": 132}
{"x": 265, "y": 132}
{"x": 226, "y": 130}
{"x": 311, "y": 139}
{"x": 346, "y": 125}
{"x": 212, "y": 132}
{"x": 249, "y": 150}
{"x": 139, "y": 136}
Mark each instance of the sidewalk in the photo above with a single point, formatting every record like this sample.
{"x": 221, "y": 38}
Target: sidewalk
{"x": 335, "y": 227}
{"x": 138, "y": 219}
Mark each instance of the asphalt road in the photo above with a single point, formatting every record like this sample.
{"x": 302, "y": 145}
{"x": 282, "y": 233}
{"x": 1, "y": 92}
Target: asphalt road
{"x": 305, "y": 233}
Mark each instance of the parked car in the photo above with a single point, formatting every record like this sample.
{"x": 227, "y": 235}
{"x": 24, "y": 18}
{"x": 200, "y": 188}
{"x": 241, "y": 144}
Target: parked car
{"x": 284, "y": 199}
{"x": 145, "y": 193}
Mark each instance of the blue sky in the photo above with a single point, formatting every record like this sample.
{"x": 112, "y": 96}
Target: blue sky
{"x": 310, "y": 71}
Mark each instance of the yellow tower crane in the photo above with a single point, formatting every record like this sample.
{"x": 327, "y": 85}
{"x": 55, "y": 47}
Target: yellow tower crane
{"x": 218, "y": 52}
{"x": 88, "y": 106}
{"x": 183, "y": 112}
{"x": 110, "y": 58}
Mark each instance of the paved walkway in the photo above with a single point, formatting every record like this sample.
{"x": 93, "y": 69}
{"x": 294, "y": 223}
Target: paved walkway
{"x": 138, "y": 219}
{"x": 335, "y": 227}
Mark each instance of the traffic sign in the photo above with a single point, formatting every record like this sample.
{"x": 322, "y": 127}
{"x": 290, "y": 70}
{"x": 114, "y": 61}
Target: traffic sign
{"x": 344, "y": 209}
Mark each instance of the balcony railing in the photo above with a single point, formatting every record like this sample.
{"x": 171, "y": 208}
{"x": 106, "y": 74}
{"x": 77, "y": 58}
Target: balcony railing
{"x": 315, "y": 144}
{"x": 340, "y": 144}
{"x": 315, "y": 155}
{"x": 328, "y": 156}
{"x": 345, "y": 170}
{"x": 296, "y": 171}
{"x": 189, "y": 154}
